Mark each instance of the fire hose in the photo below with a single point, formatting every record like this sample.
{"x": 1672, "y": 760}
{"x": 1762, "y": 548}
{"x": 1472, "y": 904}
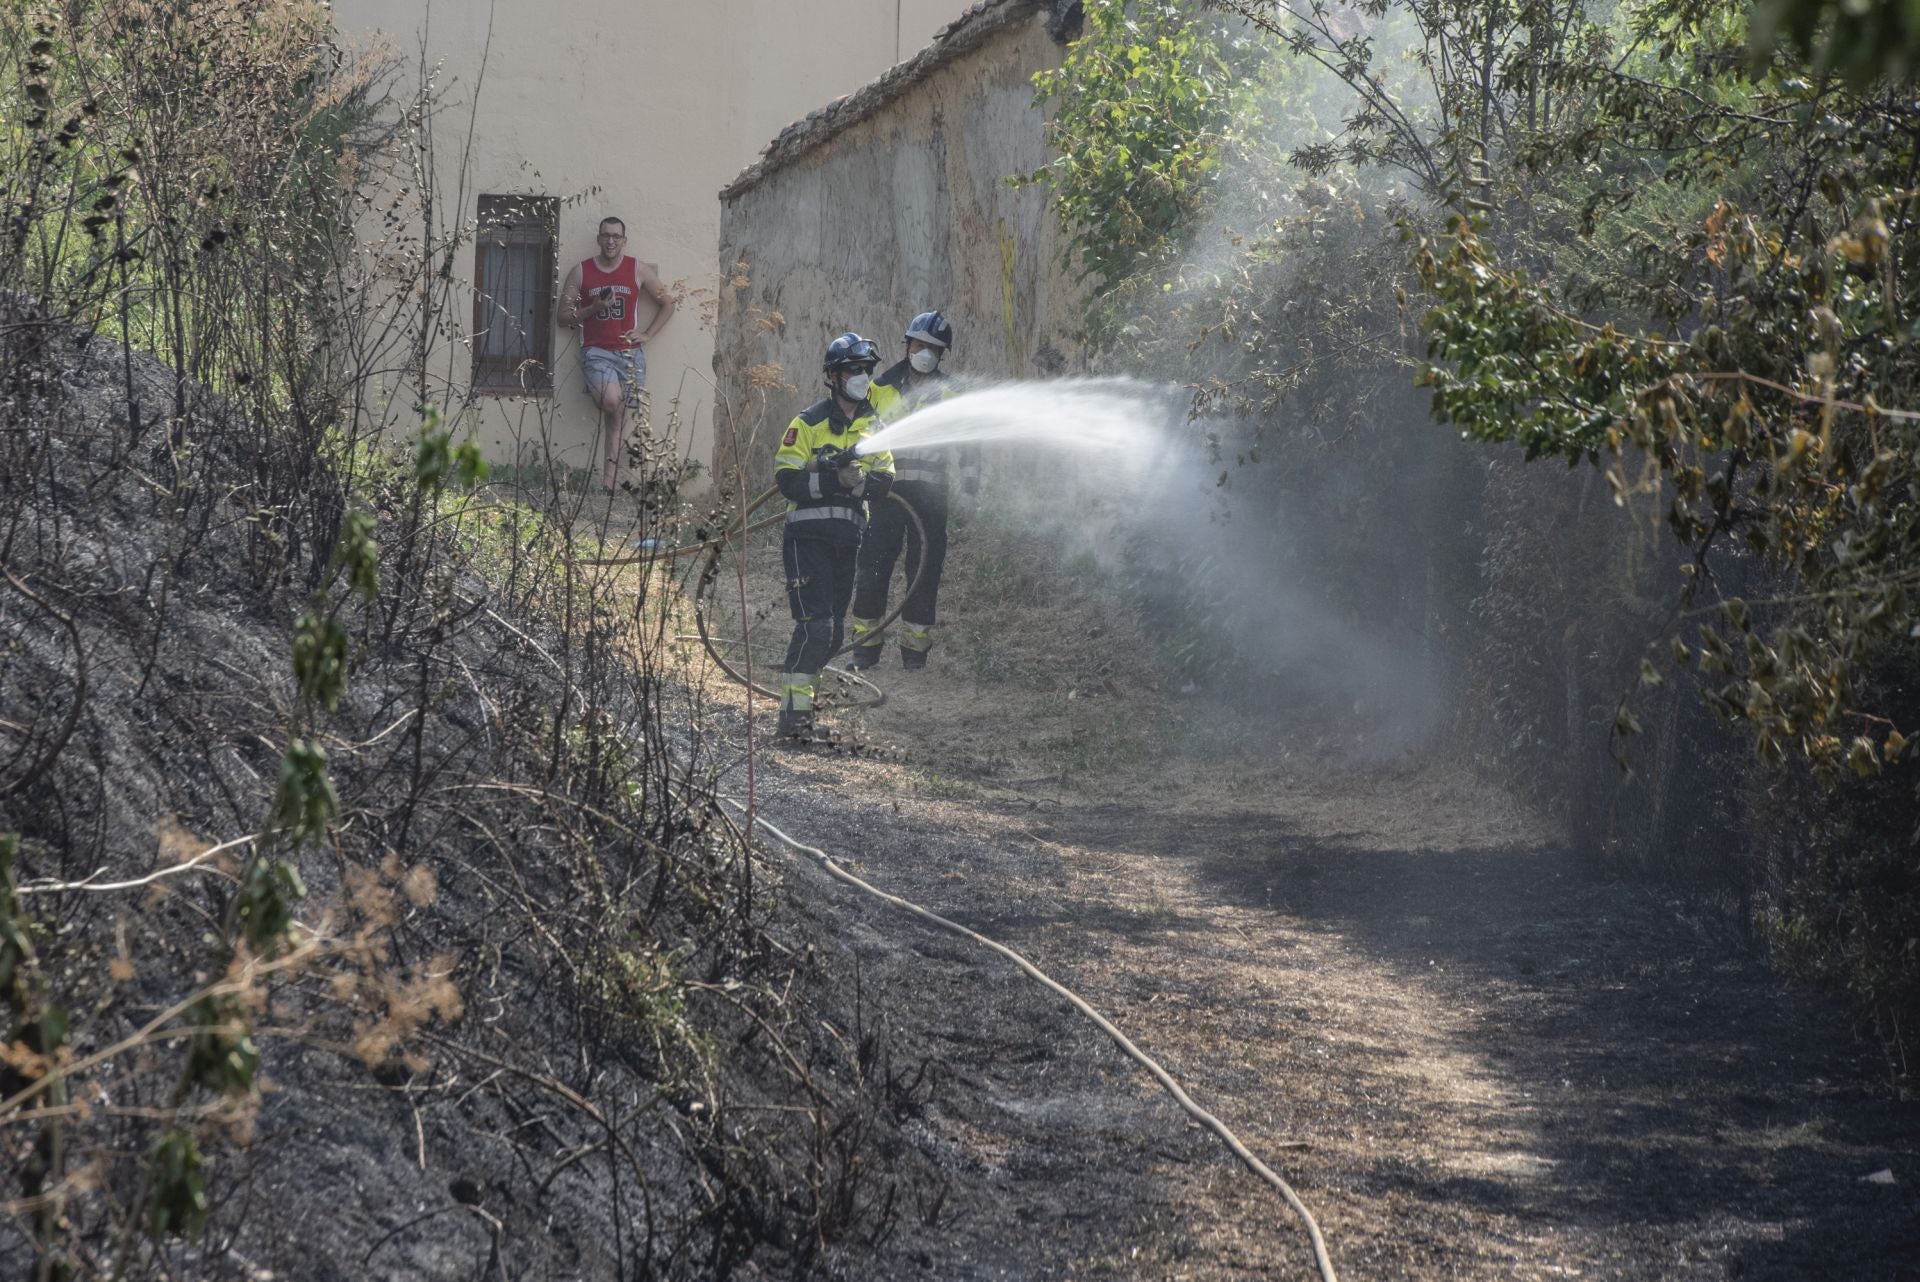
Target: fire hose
{"x": 737, "y": 530}
{"x": 1322, "y": 1259}
{"x": 741, "y": 526}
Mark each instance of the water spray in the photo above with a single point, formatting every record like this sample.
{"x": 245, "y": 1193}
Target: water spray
{"x": 1145, "y": 495}
{"x": 1116, "y": 417}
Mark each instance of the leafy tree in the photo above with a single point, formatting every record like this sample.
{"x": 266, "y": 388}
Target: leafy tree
{"x": 1141, "y": 108}
{"x": 1861, "y": 40}
{"x": 1760, "y": 396}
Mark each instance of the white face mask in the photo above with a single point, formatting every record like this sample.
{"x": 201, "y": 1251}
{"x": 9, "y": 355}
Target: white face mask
{"x": 924, "y": 360}
{"x": 855, "y": 386}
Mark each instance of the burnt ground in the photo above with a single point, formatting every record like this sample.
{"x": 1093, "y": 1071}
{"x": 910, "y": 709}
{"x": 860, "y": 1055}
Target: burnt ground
{"x": 1472, "y": 1057}
{"x": 1499, "y": 1067}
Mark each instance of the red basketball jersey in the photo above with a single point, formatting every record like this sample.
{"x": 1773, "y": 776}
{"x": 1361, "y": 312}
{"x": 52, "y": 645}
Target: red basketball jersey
{"x": 623, "y": 288}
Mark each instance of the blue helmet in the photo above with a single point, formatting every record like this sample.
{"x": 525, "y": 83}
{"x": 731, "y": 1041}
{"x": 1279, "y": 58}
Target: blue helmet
{"x": 931, "y": 327}
{"x": 850, "y": 349}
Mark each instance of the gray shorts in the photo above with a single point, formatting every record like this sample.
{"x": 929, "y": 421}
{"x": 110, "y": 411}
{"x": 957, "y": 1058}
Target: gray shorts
{"x": 605, "y": 365}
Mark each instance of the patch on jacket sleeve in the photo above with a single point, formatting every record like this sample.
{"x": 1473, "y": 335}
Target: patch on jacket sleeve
{"x": 792, "y": 436}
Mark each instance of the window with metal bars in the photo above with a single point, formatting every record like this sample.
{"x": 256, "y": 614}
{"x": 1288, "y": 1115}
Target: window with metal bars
{"x": 513, "y": 287}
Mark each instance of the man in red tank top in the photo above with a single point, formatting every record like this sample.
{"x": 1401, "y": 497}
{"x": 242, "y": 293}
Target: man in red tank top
{"x": 600, "y": 296}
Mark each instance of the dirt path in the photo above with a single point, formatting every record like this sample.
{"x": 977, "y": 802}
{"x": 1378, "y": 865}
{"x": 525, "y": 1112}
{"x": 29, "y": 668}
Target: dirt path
{"x": 1493, "y": 1065}
{"x": 1472, "y": 1058}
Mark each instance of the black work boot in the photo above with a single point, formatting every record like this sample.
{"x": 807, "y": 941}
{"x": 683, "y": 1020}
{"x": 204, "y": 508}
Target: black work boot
{"x": 863, "y": 656}
{"x": 795, "y": 724}
{"x": 912, "y": 660}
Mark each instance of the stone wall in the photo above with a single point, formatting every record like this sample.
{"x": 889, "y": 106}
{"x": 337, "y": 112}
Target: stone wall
{"x": 889, "y": 202}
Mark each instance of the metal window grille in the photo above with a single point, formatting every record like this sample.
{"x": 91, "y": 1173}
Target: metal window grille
{"x": 513, "y": 289}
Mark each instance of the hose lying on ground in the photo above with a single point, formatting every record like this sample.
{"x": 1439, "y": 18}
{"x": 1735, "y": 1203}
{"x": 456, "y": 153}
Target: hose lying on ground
{"x": 709, "y": 575}
{"x": 1140, "y": 1057}
{"x": 740, "y": 528}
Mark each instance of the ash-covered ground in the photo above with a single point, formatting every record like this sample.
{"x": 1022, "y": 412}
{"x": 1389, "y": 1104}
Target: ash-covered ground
{"x": 1471, "y": 1057}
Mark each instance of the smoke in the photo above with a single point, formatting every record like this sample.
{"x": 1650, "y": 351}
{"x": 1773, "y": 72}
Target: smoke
{"x": 1286, "y": 545}
{"x": 1113, "y": 472}
{"x": 1314, "y": 529}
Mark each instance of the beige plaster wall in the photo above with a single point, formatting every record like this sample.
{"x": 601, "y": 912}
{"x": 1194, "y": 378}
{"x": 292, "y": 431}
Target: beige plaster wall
{"x": 657, "y": 106}
{"x": 908, "y": 209}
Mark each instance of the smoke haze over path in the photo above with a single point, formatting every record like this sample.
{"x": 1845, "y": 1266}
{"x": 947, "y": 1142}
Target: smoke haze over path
{"x": 1114, "y": 471}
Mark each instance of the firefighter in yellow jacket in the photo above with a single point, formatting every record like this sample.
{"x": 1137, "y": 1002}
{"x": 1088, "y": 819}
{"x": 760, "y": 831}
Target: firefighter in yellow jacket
{"x": 827, "y": 489}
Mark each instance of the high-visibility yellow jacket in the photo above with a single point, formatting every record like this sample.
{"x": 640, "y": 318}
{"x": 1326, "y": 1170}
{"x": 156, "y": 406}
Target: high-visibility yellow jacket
{"x": 895, "y": 400}
{"x": 818, "y": 506}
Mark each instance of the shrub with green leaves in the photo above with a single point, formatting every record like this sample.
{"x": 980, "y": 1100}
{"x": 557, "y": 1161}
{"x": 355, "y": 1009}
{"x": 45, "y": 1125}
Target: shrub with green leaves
{"x": 1140, "y": 108}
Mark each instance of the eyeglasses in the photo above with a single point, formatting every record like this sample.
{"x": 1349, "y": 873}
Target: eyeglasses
{"x": 611, "y": 235}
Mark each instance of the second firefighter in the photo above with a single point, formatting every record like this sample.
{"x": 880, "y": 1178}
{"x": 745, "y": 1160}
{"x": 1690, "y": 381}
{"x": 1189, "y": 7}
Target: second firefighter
{"x": 921, "y": 480}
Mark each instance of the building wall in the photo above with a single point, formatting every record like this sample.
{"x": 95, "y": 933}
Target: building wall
{"x": 639, "y": 108}
{"x": 860, "y": 224}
